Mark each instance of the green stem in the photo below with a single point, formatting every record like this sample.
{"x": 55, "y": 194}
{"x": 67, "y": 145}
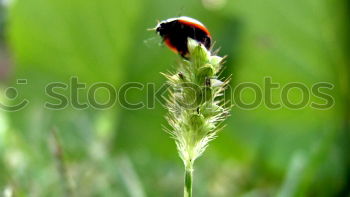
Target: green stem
{"x": 188, "y": 181}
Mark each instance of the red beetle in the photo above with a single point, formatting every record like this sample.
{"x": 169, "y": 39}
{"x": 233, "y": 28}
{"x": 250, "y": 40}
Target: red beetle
{"x": 176, "y": 31}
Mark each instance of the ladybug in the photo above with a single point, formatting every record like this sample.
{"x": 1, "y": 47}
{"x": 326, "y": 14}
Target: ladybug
{"x": 176, "y": 31}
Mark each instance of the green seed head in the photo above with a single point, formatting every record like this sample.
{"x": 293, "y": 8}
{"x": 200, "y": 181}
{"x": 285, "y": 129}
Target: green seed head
{"x": 195, "y": 109}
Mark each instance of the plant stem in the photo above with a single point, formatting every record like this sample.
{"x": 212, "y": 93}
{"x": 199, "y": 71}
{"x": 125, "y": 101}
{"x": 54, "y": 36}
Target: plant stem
{"x": 61, "y": 165}
{"x": 195, "y": 105}
{"x": 188, "y": 180}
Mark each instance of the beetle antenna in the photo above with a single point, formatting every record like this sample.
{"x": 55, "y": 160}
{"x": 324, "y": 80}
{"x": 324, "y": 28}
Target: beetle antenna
{"x": 152, "y": 29}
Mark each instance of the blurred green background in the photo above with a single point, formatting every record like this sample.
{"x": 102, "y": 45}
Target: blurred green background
{"x": 121, "y": 152}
